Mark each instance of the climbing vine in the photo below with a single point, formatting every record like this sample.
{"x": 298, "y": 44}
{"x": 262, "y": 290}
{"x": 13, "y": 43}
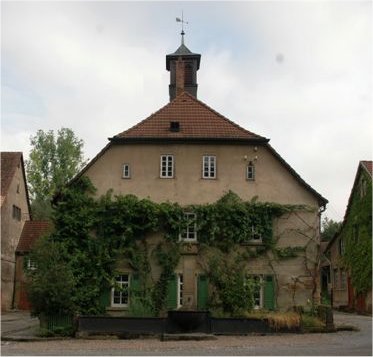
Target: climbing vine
{"x": 97, "y": 233}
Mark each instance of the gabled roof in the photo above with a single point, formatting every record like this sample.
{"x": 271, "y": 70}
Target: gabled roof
{"x": 9, "y": 164}
{"x": 32, "y": 231}
{"x": 197, "y": 121}
{"x": 365, "y": 165}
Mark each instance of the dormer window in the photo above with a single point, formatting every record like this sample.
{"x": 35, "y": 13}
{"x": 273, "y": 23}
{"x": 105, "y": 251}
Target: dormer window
{"x": 174, "y": 126}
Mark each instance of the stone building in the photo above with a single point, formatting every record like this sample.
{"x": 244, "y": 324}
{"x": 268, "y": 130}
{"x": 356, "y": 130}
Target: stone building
{"x": 188, "y": 153}
{"x": 354, "y": 239}
{"x": 15, "y": 210}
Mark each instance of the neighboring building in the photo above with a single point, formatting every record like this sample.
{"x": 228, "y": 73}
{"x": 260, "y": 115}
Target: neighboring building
{"x": 15, "y": 210}
{"x": 32, "y": 231}
{"x": 188, "y": 153}
{"x": 350, "y": 250}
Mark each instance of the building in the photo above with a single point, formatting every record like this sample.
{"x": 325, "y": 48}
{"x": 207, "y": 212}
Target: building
{"x": 350, "y": 250}
{"x": 188, "y": 153}
{"x": 15, "y": 210}
{"x": 32, "y": 231}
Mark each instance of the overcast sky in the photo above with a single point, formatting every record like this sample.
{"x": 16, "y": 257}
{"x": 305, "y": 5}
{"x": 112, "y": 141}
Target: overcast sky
{"x": 299, "y": 73}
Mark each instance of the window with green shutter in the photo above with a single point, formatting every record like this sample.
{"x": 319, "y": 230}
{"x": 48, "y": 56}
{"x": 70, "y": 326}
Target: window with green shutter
{"x": 171, "y": 303}
{"x": 202, "y": 292}
{"x": 269, "y": 292}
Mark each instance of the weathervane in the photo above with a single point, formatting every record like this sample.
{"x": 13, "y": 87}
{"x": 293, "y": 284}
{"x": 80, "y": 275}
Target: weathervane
{"x": 182, "y": 26}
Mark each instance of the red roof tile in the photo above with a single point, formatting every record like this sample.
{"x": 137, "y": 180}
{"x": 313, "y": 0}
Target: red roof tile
{"x": 32, "y": 231}
{"x": 368, "y": 166}
{"x": 196, "y": 120}
{"x": 9, "y": 163}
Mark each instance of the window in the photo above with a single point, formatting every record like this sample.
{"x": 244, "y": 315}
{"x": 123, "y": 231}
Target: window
{"x": 255, "y": 235}
{"x": 18, "y": 187}
{"x": 126, "y": 171}
{"x": 16, "y": 213}
{"x": 180, "y": 284}
{"x": 250, "y": 174}
{"x": 341, "y": 246}
{"x": 258, "y": 291}
{"x": 119, "y": 293}
{"x": 343, "y": 279}
{"x": 167, "y": 166}
{"x": 209, "y": 167}
{"x": 31, "y": 265}
{"x": 189, "y": 232}
{"x": 335, "y": 278}
{"x": 188, "y": 74}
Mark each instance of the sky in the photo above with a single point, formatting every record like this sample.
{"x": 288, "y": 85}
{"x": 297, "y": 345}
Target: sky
{"x": 299, "y": 73}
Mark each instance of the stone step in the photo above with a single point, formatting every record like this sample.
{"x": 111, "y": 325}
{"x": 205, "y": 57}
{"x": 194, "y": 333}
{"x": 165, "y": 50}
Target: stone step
{"x": 187, "y": 337}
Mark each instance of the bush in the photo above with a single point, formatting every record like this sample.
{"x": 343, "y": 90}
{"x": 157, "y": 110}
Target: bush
{"x": 50, "y": 286}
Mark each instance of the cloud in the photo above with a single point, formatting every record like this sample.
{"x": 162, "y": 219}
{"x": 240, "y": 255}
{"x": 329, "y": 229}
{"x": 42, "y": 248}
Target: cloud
{"x": 99, "y": 68}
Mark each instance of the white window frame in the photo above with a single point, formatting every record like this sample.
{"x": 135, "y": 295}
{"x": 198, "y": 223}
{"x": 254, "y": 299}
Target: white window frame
{"x": 250, "y": 172}
{"x": 343, "y": 279}
{"x": 209, "y": 167}
{"x": 31, "y": 264}
{"x": 259, "y": 305}
{"x": 122, "y": 284}
{"x": 126, "y": 171}
{"x": 189, "y": 233}
{"x": 167, "y": 166}
{"x": 180, "y": 289}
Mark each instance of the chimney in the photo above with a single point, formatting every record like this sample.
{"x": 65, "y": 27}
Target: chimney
{"x": 180, "y": 69}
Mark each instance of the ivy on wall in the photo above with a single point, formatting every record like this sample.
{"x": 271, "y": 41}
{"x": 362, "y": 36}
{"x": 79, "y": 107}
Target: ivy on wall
{"x": 97, "y": 233}
{"x": 357, "y": 237}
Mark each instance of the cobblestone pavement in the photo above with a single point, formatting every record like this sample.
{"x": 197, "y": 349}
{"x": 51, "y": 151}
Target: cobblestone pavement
{"x": 351, "y": 343}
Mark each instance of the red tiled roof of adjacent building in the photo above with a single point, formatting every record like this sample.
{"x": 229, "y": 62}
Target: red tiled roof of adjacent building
{"x": 195, "y": 119}
{"x": 368, "y": 166}
{"x": 9, "y": 163}
{"x": 32, "y": 231}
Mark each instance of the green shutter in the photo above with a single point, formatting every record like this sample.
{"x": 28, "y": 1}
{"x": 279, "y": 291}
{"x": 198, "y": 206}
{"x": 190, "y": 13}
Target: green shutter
{"x": 269, "y": 293}
{"x": 135, "y": 285}
{"x": 172, "y": 293}
{"x": 202, "y": 292}
{"x": 105, "y": 297}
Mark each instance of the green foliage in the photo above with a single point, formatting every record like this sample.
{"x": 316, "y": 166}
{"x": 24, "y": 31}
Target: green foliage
{"x": 52, "y": 283}
{"x": 357, "y": 236}
{"x": 329, "y": 228}
{"x": 288, "y": 252}
{"x": 54, "y": 160}
{"x": 95, "y": 234}
{"x": 234, "y": 291}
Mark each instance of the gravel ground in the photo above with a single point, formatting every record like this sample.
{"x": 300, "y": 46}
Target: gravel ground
{"x": 342, "y": 343}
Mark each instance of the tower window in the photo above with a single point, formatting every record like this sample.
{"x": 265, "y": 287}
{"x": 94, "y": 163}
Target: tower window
{"x": 188, "y": 74}
{"x": 17, "y": 213}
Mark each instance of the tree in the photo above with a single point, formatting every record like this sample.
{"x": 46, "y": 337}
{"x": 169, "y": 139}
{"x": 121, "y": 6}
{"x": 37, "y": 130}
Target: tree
{"x": 329, "y": 228}
{"x": 54, "y": 160}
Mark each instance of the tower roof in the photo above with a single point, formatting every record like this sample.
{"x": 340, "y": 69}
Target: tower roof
{"x": 184, "y": 52}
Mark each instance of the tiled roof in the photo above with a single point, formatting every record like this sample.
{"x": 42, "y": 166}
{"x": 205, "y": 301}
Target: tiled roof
{"x": 196, "y": 121}
{"x": 9, "y": 163}
{"x": 368, "y": 166}
{"x": 32, "y": 231}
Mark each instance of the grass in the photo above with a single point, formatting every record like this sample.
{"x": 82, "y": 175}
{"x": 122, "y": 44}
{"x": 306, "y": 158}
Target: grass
{"x": 280, "y": 320}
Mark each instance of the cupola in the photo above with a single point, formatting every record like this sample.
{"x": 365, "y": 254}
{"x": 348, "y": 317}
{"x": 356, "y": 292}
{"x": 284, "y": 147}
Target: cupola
{"x": 183, "y": 66}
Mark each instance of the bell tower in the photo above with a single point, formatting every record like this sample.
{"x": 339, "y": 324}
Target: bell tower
{"x": 183, "y": 66}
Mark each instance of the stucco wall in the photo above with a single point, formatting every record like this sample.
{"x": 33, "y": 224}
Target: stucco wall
{"x": 11, "y": 230}
{"x": 273, "y": 183}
